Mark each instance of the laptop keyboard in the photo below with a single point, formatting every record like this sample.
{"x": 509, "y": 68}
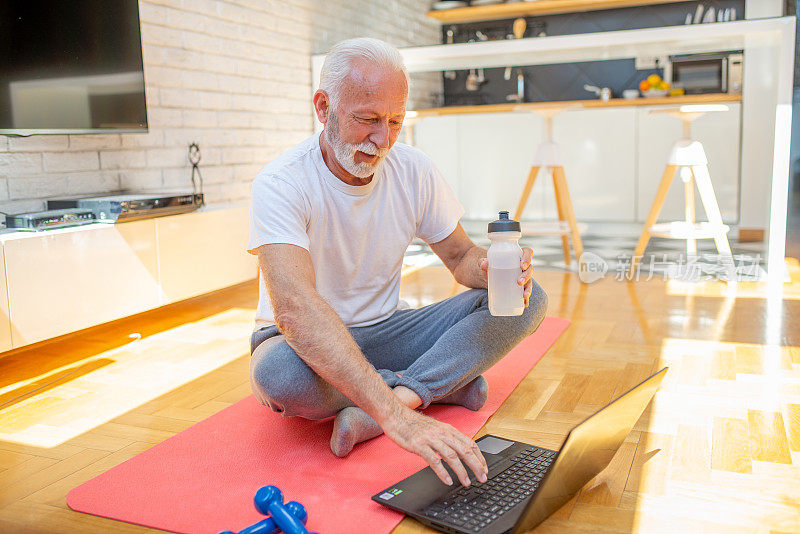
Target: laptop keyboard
{"x": 474, "y": 507}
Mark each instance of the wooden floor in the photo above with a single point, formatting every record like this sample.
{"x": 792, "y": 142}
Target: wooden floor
{"x": 719, "y": 450}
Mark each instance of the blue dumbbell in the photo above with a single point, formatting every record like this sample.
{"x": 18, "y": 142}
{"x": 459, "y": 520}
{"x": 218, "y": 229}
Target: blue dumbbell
{"x": 268, "y": 525}
{"x": 269, "y": 501}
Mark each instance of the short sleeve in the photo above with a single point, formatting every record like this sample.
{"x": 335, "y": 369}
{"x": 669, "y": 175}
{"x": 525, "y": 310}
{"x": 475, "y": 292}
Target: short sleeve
{"x": 440, "y": 210}
{"x": 277, "y": 214}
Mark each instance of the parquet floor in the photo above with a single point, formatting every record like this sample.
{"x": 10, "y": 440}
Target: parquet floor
{"x": 718, "y": 451}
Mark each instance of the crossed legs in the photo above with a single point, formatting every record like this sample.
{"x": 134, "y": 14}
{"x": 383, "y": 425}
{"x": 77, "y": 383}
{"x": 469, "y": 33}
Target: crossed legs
{"x": 433, "y": 354}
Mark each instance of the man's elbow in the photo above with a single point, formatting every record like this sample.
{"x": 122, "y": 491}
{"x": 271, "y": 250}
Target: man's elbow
{"x": 290, "y": 314}
{"x": 459, "y": 277}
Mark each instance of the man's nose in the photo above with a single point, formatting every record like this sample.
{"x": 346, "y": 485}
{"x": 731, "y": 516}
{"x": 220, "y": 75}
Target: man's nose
{"x": 380, "y": 135}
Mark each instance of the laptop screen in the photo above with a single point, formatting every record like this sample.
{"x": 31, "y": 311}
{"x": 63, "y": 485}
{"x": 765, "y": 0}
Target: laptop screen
{"x": 587, "y": 450}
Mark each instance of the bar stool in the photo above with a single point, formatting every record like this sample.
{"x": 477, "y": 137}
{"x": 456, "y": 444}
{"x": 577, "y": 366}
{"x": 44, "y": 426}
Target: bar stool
{"x": 549, "y": 157}
{"x": 689, "y": 157}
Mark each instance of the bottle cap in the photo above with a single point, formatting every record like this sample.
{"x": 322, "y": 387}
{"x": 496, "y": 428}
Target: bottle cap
{"x": 504, "y": 224}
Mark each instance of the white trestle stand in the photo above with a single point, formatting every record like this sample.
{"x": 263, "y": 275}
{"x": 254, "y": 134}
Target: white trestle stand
{"x": 548, "y": 156}
{"x": 688, "y": 159}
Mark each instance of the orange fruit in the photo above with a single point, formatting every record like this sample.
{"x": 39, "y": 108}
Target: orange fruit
{"x": 644, "y": 85}
{"x": 664, "y": 86}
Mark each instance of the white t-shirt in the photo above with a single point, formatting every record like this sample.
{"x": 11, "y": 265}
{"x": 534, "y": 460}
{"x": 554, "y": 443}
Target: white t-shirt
{"x": 356, "y": 235}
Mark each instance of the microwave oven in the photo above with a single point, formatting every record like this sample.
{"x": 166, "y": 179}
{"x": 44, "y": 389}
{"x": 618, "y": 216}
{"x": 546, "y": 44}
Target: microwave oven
{"x": 707, "y": 73}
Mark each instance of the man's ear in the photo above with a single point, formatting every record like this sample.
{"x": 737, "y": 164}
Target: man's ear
{"x": 322, "y": 105}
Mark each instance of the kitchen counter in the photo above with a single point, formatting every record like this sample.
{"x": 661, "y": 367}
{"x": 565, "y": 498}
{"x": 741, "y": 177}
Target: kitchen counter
{"x": 765, "y": 112}
{"x": 614, "y": 156}
{"x": 716, "y": 98}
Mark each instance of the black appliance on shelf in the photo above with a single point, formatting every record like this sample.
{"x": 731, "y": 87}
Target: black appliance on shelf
{"x": 47, "y": 220}
{"x": 708, "y": 73}
{"x": 132, "y": 206}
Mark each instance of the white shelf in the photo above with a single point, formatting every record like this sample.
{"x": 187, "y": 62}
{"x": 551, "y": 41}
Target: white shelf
{"x": 538, "y": 8}
{"x": 687, "y": 39}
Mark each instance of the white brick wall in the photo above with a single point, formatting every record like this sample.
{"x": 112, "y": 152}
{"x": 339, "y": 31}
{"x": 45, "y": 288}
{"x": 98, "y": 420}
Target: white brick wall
{"x": 233, "y": 76}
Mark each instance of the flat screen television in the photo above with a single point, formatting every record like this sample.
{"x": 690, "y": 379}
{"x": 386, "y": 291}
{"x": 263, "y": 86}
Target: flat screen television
{"x": 71, "y": 67}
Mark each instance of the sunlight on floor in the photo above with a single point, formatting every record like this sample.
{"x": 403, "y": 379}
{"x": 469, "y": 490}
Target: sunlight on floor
{"x": 715, "y": 288}
{"x": 719, "y": 431}
{"x": 85, "y": 394}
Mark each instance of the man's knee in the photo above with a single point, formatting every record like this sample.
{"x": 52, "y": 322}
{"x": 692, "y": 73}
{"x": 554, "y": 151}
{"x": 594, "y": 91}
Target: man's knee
{"x": 281, "y": 380}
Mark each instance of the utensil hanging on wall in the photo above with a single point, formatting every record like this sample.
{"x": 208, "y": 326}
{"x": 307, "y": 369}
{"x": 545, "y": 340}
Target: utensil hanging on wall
{"x": 450, "y": 74}
{"x": 472, "y": 81}
{"x": 698, "y": 14}
{"x": 519, "y": 27}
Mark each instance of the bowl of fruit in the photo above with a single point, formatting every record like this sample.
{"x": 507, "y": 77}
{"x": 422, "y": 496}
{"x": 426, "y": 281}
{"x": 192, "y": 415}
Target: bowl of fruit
{"x": 654, "y": 87}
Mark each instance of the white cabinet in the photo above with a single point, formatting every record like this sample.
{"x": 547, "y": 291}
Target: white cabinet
{"x": 5, "y": 317}
{"x": 613, "y": 160}
{"x": 485, "y": 158}
{"x": 495, "y": 154}
{"x": 66, "y": 280}
{"x": 597, "y": 147}
{"x": 438, "y": 137}
{"x": 720, "y": 134}
{"x": 203, "y": 251}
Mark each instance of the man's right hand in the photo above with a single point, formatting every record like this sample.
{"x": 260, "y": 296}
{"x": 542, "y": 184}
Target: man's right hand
{"x": 435, "y": 441}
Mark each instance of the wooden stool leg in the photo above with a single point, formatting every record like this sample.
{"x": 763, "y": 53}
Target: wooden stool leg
{"x": 577, "y": 245}
{"x": 652, "y": 217}
{"x": 688, "y": 188}
{"x": 526, "y": 192}
{"x": 561, "y": 217}
{"x": 709, "y": 200}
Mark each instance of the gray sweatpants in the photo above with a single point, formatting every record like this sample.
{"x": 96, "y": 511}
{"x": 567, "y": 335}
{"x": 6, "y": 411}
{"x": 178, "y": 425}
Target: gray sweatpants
{"x": 436, "y": 350}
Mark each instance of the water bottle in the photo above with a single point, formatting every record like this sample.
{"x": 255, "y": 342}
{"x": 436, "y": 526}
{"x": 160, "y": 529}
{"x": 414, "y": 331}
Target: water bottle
{"x": 505, "y": 294}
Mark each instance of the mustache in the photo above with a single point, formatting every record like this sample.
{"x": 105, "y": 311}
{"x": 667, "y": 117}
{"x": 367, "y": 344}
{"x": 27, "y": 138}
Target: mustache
{"x": 372, "y": 150}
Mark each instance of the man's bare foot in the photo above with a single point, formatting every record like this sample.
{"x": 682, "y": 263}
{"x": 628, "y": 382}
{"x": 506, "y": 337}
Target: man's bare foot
{"x": 472, "y": 396}
{"x": 352, "y": 425}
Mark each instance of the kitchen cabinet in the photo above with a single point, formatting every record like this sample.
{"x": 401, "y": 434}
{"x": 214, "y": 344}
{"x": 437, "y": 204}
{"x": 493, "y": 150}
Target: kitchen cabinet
{"x": 613, "y": 159}
{"x": 439, "y": 139}
{"x": 720, "y": 133}
{"x": 597, "y": 147}
{"x": 494, "y": 154}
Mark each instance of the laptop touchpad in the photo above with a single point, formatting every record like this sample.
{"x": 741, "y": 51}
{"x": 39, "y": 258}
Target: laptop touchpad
{"x": 493, "y": 445}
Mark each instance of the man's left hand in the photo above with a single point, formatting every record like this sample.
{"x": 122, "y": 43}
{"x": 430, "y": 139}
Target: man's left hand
{"x": 527, "y": 271}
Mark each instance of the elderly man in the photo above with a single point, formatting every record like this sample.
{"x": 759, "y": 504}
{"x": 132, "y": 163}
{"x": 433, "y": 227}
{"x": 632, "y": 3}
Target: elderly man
{"x": 330, "y": 222}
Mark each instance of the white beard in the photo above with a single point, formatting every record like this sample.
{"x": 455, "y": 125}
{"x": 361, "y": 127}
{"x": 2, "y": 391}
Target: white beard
{"x": 345, "y": 152}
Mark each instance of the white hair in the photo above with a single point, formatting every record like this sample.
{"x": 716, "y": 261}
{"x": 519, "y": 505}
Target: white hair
{"x": 339, "y": 63}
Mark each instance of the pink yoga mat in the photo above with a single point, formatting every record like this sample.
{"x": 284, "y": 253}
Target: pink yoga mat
{"x": 204, "y": 478}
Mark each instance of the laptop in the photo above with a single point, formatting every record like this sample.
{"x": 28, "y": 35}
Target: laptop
{"x": 526, "y": 483}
